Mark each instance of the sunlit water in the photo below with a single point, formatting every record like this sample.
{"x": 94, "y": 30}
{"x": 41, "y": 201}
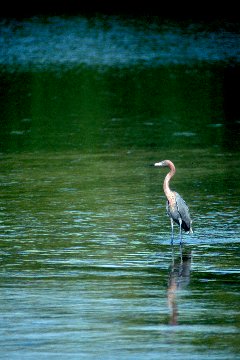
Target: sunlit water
{"x": 87, "y": 269}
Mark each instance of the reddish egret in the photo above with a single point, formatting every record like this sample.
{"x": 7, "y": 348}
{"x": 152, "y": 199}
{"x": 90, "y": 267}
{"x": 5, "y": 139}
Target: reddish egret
{"x": 177, "y": 209}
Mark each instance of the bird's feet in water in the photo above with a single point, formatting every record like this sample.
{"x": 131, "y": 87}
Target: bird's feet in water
{"x": 181, "y": 243}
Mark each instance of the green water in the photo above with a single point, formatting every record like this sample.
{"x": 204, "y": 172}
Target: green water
{"x": 87, "y": 269}
{"x": 163, "y": 108}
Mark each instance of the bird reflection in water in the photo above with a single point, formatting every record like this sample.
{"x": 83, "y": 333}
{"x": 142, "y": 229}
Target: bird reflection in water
{"x": 179, "y": 278}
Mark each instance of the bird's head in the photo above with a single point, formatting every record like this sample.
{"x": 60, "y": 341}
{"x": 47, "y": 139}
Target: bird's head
{"x": 166, "y": 163}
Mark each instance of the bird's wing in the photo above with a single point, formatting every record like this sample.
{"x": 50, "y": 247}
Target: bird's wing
{"x": 183, "y": 211}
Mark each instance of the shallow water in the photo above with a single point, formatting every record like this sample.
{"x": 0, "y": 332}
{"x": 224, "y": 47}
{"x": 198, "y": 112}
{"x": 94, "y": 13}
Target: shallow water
{"x": 87, "y": 269}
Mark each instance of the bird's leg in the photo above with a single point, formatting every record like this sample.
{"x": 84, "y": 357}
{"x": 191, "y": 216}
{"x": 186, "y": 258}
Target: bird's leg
{"x": 180, "y": 230}
{"x": 171, "y": 231}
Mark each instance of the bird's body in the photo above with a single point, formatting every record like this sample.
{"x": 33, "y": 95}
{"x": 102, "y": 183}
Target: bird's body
{"x": 177, "y": 208}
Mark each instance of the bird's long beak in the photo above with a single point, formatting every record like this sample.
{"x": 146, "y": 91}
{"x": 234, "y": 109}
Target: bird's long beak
{"x": 158, "y": 164}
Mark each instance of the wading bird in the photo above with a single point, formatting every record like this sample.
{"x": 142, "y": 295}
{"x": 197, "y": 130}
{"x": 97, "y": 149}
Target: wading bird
{"x": 176, "y": 207}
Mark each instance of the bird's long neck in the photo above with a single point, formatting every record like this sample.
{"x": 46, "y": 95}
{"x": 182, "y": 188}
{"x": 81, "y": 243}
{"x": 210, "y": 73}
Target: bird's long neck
{"x": 168, "y": 192}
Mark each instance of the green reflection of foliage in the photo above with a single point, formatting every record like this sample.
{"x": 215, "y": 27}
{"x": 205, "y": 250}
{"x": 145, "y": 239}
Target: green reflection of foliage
{"x": 85, "y": 109}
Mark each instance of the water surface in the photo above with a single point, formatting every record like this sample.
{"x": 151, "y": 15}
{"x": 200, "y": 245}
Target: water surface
{"x": 87, "y": 269}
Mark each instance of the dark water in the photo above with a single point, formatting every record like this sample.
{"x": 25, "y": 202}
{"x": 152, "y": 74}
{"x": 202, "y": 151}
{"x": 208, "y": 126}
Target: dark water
{"x": 87, "y": 269}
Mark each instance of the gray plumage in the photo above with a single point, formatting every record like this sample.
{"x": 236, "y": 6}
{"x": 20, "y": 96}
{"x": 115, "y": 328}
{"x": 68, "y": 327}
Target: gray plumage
{"x": 180, "y": 212}
{"x": 177, "y": 208}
